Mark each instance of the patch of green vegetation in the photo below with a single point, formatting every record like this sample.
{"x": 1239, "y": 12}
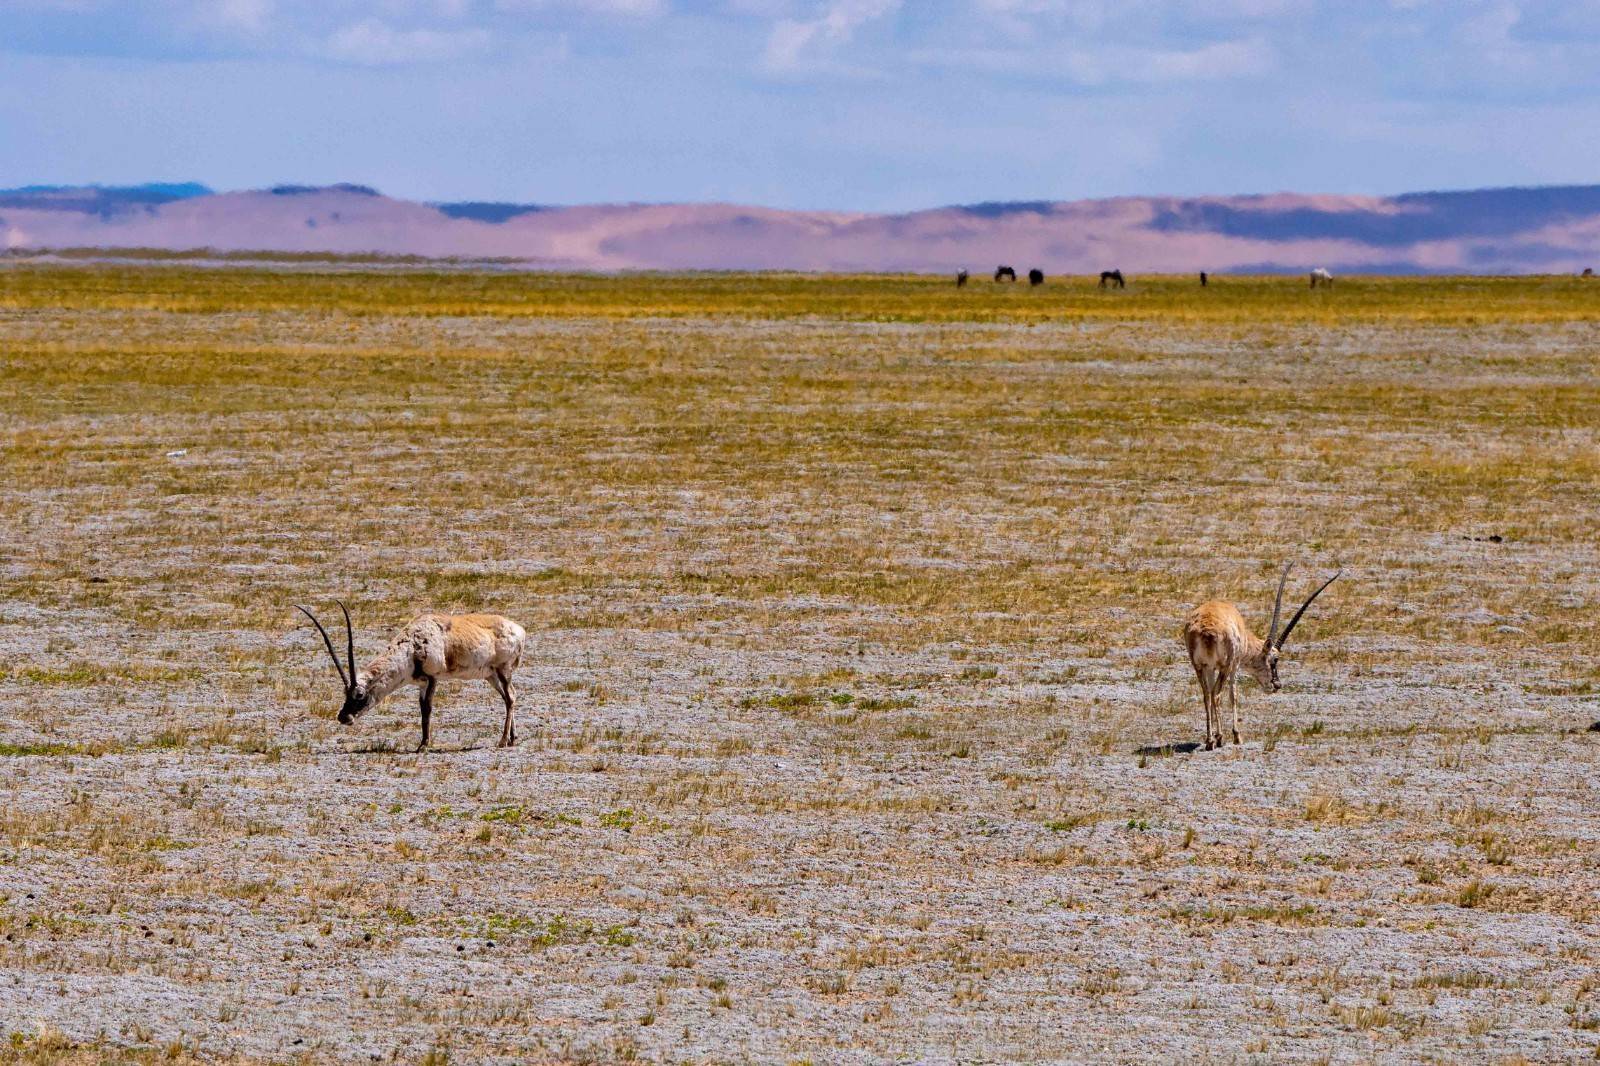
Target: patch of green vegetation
{"x": 545, "y": 932}
{"x": 1464, "y": 979}
{"x": 888, "y": 703}
{"x": 22, "y": 750}
{"x": 53, "y": 923}
{"x": 162, "y": 842}
{"x": 785, "y": 701}
{"x": 1069, "y": 822}
{"x": 1275, "y": 914}
{"x": 623, "y": 818}
{"x": 509, "y": 814}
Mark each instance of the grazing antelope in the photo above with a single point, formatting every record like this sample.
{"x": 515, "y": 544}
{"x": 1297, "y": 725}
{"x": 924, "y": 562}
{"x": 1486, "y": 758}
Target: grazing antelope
{"x": 1320, "y": 276}
{"x": 1004, "y": 273}
{"x": 961, "y": 278}
{"x": 430, "y": 649}
{"x": 1220, "y": 642}
{"x": 1112, "y": 277}
{"x": 1035, "y": 276}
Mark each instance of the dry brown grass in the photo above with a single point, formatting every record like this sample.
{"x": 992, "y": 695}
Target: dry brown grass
{"x": 851, "y": 607}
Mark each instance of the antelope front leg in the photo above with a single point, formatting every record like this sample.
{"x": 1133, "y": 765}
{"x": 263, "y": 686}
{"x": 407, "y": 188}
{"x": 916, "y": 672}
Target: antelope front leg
{"x": 1205, "y": 697}
{"x": 1216, "y": 708}
{"x": 1211, "y": 717}
{"x": 427, "y": 713}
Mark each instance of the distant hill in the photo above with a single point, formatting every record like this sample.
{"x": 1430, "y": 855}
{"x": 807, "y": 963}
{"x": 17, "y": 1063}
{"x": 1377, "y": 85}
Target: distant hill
{"x": 1518, "y": 230}
{"x": 103, "y": 201}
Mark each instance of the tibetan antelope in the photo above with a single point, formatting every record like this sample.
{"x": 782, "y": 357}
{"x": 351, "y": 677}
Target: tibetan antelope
{"x": 1220, "y": 642}
{"x": 1321, "y": 276}
{"x": 1004, "y": 273}
{"x": 430, "y": 649}
{"x": 1113, "y": 277}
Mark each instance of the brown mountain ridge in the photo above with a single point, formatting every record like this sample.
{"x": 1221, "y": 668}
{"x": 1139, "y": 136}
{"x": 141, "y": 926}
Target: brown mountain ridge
{"x": 1513, "y": 230}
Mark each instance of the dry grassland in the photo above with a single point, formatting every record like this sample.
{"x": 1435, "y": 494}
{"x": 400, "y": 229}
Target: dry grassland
{"x": 851, "y": 604}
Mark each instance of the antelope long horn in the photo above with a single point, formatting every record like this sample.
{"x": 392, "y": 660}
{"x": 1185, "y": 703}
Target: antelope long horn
{"x": 1290, "y": 627}
{"x": 349, "y": 643}
{"x": 327, "y": 642}
{"x": 1277, "y": 607}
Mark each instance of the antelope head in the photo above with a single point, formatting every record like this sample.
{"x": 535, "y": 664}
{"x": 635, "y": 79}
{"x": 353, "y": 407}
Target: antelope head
{"x": 1265, "y": 666}
{"x": 355, "y": 692}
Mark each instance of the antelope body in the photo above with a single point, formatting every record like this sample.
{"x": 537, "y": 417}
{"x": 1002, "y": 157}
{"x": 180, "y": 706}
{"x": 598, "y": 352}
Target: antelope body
{"x": 1321, "y": 276}
{"x": 430, "y": 649}
{"x": 1220, "y": 643}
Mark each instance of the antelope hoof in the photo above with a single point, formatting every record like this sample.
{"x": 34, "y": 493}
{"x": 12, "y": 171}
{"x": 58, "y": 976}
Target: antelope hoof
{"x": 421, "y": 748}
{"x": 1236, "y": 739}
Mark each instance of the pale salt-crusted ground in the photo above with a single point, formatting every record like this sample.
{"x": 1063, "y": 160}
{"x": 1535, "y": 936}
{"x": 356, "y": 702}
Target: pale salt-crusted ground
{"x": 844, "y": 639}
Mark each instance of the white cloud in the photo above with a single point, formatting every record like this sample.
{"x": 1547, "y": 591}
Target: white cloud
{"x": 639, "y": 9}
{"x": 373, "y": 43}
{"x": 1224, "y": 59}
{"x": 792, "y": 39}
{"x": 1101, "y": 12}
{"x": 243, "y": 16}
{"x": 1111, "y": 64}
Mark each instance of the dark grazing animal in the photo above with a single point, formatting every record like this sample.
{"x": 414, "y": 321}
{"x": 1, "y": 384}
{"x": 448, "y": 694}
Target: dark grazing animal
{"x": 1035, "y": 276}
{"x": 961, "y": 278}
{"x": 1202, "y": 279}
{"x": 1113, "y": 277}
{"x": 1004, "y": 273}
{"x": 1588, "y": 272}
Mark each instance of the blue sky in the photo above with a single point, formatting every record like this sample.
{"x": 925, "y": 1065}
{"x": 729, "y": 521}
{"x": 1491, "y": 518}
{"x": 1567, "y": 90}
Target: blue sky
{"x": 850, "y": 104}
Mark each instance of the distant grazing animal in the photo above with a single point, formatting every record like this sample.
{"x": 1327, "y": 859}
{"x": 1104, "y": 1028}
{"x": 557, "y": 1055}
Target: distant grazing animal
{"x": 1113, "y": 277}
{"x": 1004, "y": 273}
{"x": 432, "y": 648}
{"x": 961, "y": 278}
{"x": 1320, "y": 276}
{"x": 1035, "y": 276}
{"x": 1220, "y": 642}
{"x": 1202, "y": 279}
{"x": 1588, "y": 272}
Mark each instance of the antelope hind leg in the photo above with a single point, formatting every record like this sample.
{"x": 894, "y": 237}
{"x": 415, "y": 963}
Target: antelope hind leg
{"x": 1233, "y": 701}
{"x": 427, "y": 713}
{"x": 501, "y": 683}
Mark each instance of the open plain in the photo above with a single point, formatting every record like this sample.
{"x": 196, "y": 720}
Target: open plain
{"x": 853, "y": 676}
